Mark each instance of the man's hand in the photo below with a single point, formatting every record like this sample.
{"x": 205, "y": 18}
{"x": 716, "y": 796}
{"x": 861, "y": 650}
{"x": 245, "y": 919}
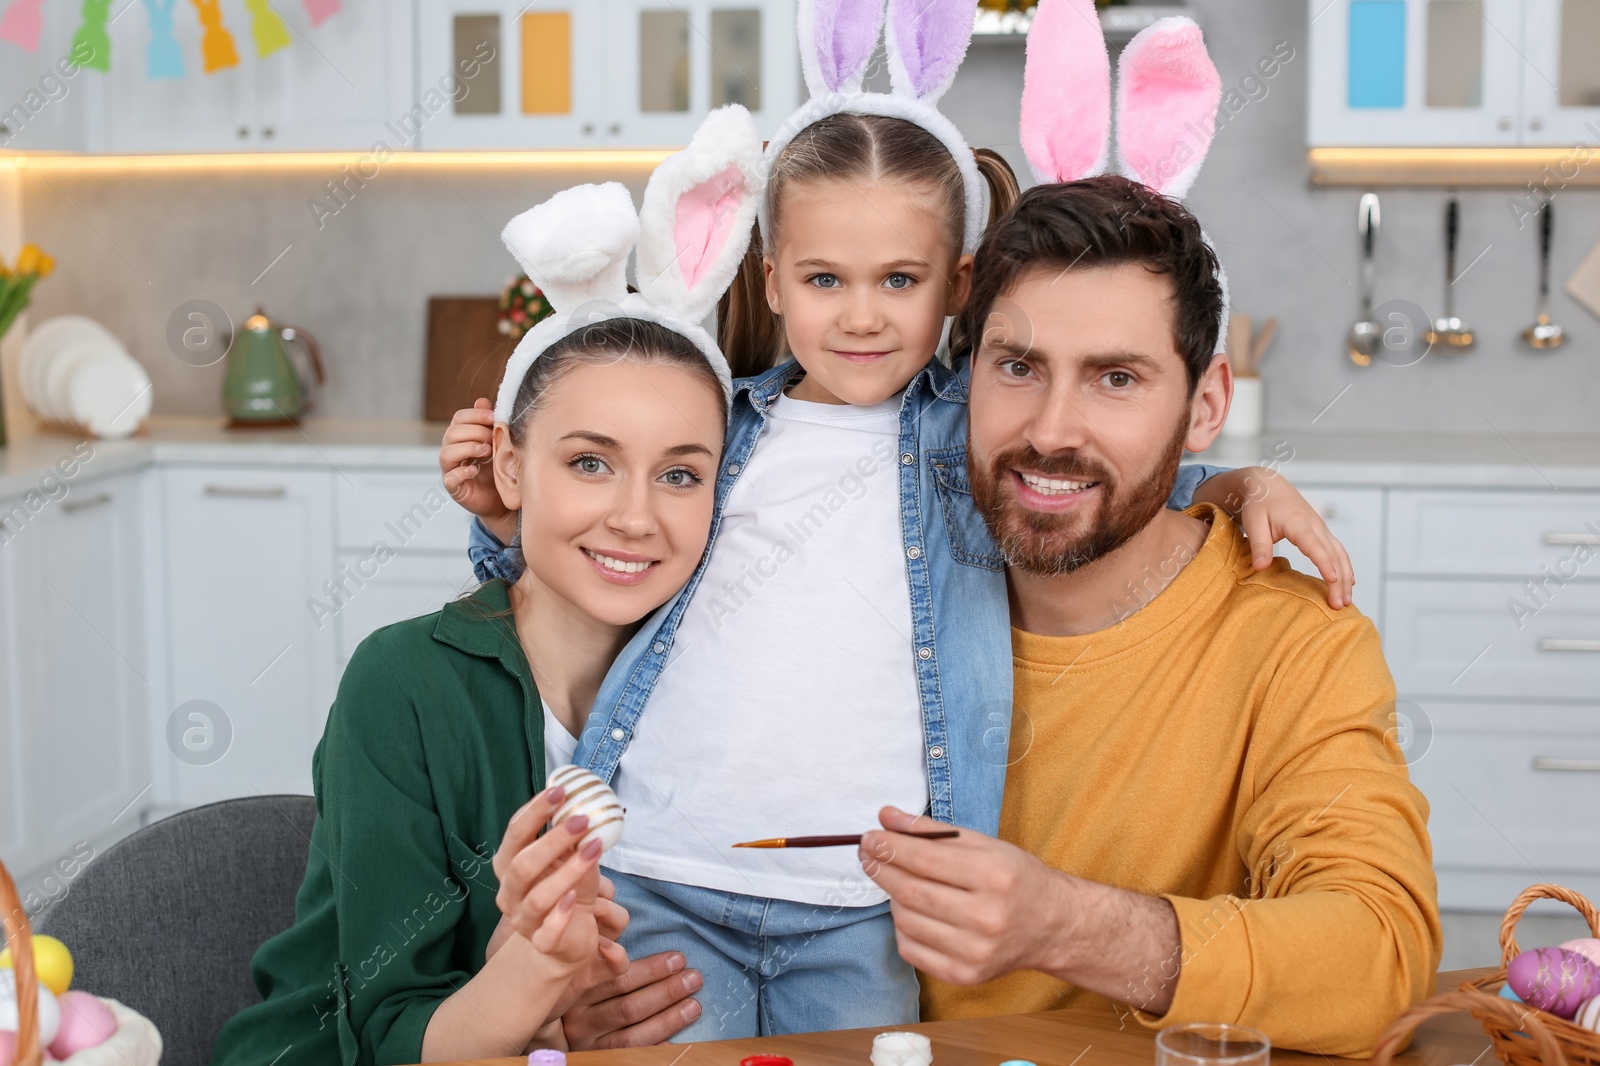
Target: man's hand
{"x": 974, "y": 908}
{"x": 645, "y": 1005}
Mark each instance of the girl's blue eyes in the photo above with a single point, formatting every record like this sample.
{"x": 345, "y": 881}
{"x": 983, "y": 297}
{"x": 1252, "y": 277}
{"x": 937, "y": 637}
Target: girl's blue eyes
{"x": 907, "y": 279}
{"x": 679, "y": 477}
{"x": 897, "y": 282}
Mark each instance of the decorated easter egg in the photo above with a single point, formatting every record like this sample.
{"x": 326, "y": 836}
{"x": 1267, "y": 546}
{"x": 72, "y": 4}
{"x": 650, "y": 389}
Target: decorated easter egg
{"x": 1588, "y": 1016}
{"x": 1554, "y": 980}
{"x": 52, "y": 963}
{"x": 85, "y": 1023}
{"x": 1589, "y": 948}
{"x": 587, "y": 794}
{"x": 49, "y": 1011}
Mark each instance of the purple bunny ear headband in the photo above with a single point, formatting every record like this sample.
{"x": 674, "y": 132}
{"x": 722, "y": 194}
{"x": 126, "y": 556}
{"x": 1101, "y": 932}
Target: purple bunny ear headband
{"x": 691, "y": 233}
{"x": 1167, "y": 95}
{"x": 926, "y": 41}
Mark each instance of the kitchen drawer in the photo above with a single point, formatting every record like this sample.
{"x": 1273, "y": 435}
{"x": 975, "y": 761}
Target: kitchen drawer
{"x": 406, "y": 511}
{"x": 1492, "y": 533}
{"x": 1512, "y": 787}
{"x": 1463, "y": 638}
{"x": 1356, "y": 517}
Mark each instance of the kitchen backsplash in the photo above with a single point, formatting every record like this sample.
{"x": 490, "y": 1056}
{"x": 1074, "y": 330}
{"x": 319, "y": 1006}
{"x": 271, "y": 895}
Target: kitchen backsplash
{"x": 134, "y": 246}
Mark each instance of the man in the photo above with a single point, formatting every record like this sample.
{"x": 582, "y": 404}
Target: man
{"x": 1206, "y": 816}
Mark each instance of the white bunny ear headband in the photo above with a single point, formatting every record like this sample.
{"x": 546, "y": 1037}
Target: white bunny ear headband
{"x": 926, "y": 40}
{"x": 1167, "y": 95}
{"x": 691, "y": 234}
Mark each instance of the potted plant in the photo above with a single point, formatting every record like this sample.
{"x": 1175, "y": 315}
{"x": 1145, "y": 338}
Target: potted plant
{"x": 16, "y": 283}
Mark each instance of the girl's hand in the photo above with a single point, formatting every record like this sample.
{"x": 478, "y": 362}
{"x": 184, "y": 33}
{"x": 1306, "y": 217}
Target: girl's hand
{"x": 1269, "y": 509}
{"x": 464, "y": 459}
{"x": 537, "y": 873}
{"x": 609, "y": 916}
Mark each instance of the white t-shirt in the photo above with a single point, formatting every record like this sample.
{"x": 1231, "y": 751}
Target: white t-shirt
{"x": 558, "y": 743}
{"x": 788, "y": 705}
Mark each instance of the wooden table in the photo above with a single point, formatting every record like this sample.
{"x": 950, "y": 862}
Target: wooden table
{"x": 1052, "y": 1038}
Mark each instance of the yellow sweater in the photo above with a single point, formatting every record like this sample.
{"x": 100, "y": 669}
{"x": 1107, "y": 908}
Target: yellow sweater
{"x": 1229, "y": 747}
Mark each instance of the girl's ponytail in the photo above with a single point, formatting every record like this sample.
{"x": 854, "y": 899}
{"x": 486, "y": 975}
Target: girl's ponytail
{"x": 747, "y": 330}
{"x": 1003, "y": 192}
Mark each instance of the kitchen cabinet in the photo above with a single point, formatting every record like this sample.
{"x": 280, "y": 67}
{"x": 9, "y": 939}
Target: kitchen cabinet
{"x": 13, "y": 782}
{"x": 76, "y": 701}
{"x": 1420, "y": 73}
{"x": 586, "y": 74}
{"x": 405, "y": 586}
{"x": 252, "y": 671}
{"x": 1356, "y": 517}
{"x": 344, "y": 85}
{"x": 42, "y": 108}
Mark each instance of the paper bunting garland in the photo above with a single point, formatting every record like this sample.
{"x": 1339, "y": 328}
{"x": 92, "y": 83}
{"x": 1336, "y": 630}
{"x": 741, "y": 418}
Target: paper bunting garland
{"x": 22, "y": 24}
{"x": 321, "y": 11}
{"x": 91, "y": 47}
{"x": 267, "y": 28}
{"x": 163, "y": 58}
{"x": 216, "y": 45}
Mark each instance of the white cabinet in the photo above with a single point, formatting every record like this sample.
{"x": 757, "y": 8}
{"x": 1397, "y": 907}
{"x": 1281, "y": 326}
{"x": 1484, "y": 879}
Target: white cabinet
{"x": 1453, "y": 72}
{"x": 13, "y": 782}
{"x": 338, "y": 86}
{"x": 43, "y": 94}
{"x": 404, "y": 586}
{"x": 253, "y": 674}
{"x": 1356, "y": 517}
{"x": 587, "y": 73}
{"x": 74, "y": 706}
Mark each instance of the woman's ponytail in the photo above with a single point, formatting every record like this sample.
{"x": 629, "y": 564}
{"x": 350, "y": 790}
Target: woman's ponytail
{"x": 750, "y": 335}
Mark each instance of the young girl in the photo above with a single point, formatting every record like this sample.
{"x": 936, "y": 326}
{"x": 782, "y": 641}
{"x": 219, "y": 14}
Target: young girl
{"x": 845, "y": 645}
{"x": 444, "y": 725}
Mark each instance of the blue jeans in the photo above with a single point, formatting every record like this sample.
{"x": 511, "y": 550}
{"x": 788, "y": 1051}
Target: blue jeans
{"x": 772, "y": 966}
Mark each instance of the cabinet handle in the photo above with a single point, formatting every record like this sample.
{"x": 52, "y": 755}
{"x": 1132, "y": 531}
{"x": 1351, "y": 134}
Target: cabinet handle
{"x": 258, "y": 492}
{"x": 588, "y": 128}
{"x": 1505, "y": 122}
{"x": 1536, "y": 123}
{"x": 1558, "y": 539}
{"x": 244, "y": 133}
{"x": 1582, "y": 766}
{"x": 1560, "y": 644}
{"x": 74, "y": 506}
{"x": 1328, "y": 511}
{"x": 616, "y": 127}
{"x": 267, "y": 131}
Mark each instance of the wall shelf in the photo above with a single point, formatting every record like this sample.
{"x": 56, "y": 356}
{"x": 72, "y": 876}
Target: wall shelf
{"x": 1119, "y": 23}
{"x": 1439, "y": 167}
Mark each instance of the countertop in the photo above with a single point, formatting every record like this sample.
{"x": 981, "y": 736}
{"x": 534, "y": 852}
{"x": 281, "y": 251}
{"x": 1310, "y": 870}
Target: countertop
{"x": 1307, "y": 457}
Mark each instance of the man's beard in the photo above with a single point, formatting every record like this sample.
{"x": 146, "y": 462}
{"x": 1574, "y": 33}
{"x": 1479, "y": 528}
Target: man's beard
{"x": 1050, "y": 544}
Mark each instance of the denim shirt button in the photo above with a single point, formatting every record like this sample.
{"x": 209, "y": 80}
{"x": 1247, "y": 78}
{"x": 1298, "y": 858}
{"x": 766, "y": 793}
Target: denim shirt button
{"x": 658, "y": 647}
{"x": 906, "y": 458}
{"x": 619, "y": 735}
{"x": 924, "y": 653}
{"x": 913, "y": 552}
{"x": 733, "y": 470}
{"x": 936, "y": 752}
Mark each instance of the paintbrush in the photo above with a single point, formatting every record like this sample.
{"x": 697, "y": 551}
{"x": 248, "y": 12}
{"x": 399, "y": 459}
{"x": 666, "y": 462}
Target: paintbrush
{"x": 845, "y": 841}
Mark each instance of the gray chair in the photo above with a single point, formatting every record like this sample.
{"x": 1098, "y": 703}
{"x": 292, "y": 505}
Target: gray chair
{"x": 167, "y": 919}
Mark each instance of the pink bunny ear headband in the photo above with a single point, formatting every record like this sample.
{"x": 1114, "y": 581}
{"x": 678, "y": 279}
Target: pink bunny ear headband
{"x": 1167, "y": 95}
{"x": 927, "y": 39}
{"x": 691, "y": 234}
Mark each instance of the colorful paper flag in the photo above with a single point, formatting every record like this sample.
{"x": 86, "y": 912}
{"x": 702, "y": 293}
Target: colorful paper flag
{"x": 91, "y": 47}
{"x": 216, "y": 44}
{"x": 267, "y": 28}
{"x": 22, "y": 24}
{"x": 163, "y": 57}
{"x": 321, "y": 11}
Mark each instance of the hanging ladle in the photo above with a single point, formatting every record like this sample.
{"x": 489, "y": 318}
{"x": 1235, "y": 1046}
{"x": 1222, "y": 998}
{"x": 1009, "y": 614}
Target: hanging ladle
{"x": 1365, "y": 333}
{"x": 1450, "y": 330}
{"x": 1544, "y": 333}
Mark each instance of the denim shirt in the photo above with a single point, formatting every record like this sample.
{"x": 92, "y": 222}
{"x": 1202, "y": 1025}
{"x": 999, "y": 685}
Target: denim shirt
{"x": 961, "y": 624}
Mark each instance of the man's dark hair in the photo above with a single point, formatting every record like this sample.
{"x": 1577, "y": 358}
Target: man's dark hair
{"x": 1104, "y": 221}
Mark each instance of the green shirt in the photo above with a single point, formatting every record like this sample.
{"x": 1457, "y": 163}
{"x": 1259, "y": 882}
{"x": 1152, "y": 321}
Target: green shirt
{"x": 435, "y": 740}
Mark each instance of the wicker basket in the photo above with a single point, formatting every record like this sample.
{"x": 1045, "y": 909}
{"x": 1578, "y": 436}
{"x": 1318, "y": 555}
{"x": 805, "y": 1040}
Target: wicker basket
{"x": 1521, "y": 1035}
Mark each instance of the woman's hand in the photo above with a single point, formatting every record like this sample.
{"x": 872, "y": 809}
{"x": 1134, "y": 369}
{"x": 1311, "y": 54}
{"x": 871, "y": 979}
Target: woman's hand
{"x": 538, "y": 874}
{"x": 647, "y": 1004}
{"x": 1269, "y": 509}
{"x": 465, "y": 461}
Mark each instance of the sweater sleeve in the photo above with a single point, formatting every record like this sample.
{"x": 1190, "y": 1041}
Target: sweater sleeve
{"x": 397, "y": 898}
{"x": 1339, "y": 929}
{"x": 1189, "y": 478}
{"x": 491, "y": 559}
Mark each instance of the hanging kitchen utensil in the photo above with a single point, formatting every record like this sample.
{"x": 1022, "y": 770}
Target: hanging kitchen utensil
{"x": 1449, "y": 330}
{"x": 1544, "y": 333}
{"x": 262, "y": 386}
{"x": 1364, "y": 335}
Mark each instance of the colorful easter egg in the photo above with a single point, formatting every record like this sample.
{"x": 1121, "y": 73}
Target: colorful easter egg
{"x": 1588, "y": 1016}
{"x": 1589, "y": 948}
{"x": 49, "y": 1011}
{"x": 587, "y": 794}
{"x": 1554, "y": 980}
{"x": 85, "y": 1023}
{"x": 52, "y": 963}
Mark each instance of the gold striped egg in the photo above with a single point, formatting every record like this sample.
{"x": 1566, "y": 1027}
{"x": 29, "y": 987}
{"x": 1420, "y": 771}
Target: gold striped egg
{"x": 587, "y": 794}
{"x": 1589, "y": 1015}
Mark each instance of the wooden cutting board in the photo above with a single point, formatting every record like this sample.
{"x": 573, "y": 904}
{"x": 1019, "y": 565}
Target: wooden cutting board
{"x": 466, "y": 353}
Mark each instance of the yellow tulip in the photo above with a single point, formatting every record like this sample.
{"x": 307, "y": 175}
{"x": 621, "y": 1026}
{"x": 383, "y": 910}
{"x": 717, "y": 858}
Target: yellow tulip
{"x": 47, "y": 265}
{"x": 28, "y": 259}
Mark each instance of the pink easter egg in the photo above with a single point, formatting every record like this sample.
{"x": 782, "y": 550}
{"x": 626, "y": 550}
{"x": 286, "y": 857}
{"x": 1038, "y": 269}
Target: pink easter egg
{"x": 85, "y": 1022}
{"x": 8, "y": 1047}
{"x": 1554, "y": 980}
{"x": 1589, "y": 948}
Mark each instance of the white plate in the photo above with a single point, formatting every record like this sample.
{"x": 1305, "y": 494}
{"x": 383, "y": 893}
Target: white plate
{"x": 43, "y": 341}
{"x": 57, "y": 376}
{"x": 109, "y": 394}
